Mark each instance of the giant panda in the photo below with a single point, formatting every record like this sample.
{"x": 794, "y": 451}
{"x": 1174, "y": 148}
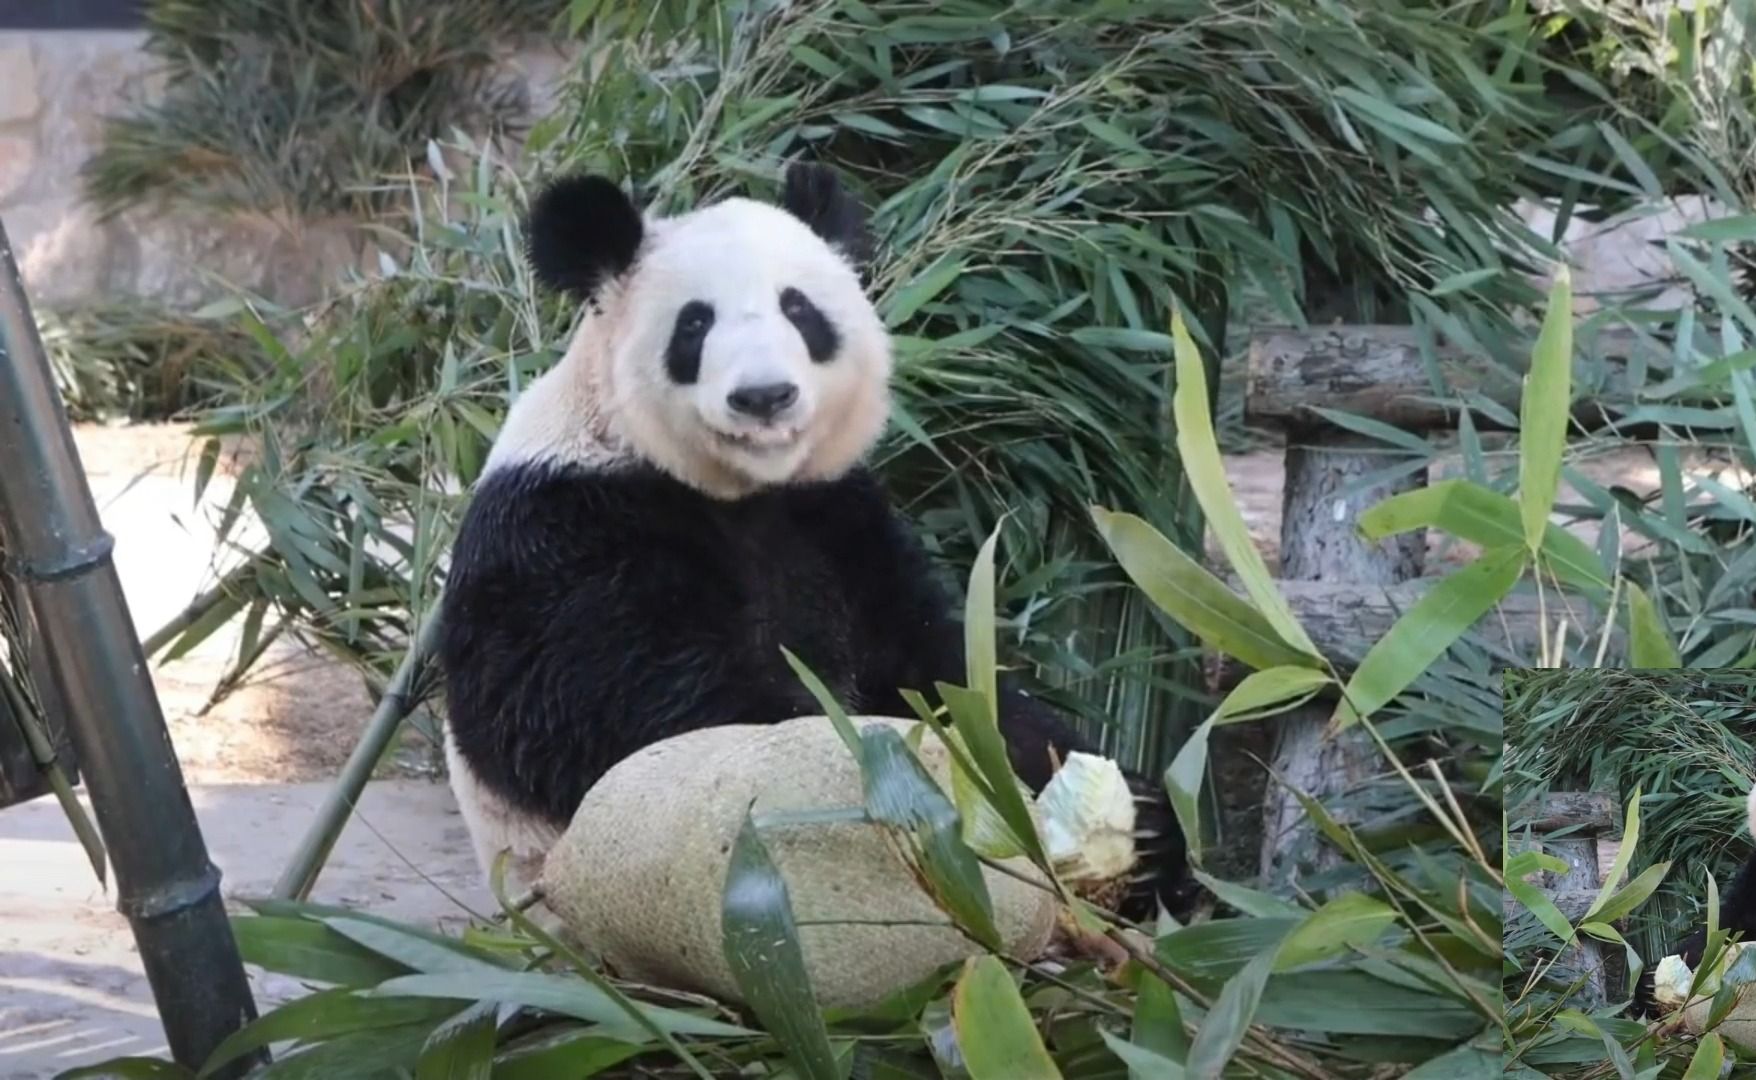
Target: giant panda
{"x": 681, "y": 496}
{"x": 1737, "y": 913}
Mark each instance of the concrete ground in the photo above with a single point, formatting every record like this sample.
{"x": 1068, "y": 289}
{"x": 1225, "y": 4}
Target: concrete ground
{"x": 71, "y": 989}
{"x": 257, "y": 762}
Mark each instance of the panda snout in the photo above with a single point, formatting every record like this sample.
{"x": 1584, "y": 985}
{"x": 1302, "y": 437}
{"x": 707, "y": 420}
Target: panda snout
{"x": 763, "y": 402}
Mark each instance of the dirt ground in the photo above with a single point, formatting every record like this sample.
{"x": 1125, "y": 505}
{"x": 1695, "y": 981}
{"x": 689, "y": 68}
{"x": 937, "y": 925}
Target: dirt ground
{"x": 296, "y": 717}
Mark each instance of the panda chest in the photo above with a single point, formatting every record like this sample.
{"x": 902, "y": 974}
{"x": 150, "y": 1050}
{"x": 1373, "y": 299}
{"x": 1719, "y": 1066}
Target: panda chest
{"x": 791, "y": 590}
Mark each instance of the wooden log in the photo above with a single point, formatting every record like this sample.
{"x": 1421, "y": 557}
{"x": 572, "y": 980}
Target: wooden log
{"x": 1377, "y": 371}
{"x": 1318, "y": 543}
{"x": 1590, "y": 813}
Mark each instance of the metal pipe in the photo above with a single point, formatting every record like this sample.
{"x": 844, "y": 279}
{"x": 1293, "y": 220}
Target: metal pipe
{"x": 400, "y": 698}
{"x": 57, "y": 551}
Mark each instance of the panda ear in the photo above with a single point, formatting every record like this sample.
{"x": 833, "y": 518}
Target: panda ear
{"x": 581, "y": 232}
{"x": 815, "y": 196}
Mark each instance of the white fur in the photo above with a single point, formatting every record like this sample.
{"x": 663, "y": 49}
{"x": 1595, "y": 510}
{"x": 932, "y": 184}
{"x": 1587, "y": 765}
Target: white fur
{"x": 1750, "y": 811}
{"x": 495, "y": 827}
{"x": 610, "y": 396}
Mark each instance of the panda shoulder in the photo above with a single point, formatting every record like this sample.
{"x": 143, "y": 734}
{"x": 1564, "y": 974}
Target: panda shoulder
{"x": 542, "y": 504}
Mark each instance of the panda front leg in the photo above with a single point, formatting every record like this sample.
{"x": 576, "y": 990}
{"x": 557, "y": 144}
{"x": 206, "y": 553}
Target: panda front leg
{"x": 496, "y": 826}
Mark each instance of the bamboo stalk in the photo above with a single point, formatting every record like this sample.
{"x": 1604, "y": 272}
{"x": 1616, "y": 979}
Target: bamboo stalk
{"x": 398, "y": 701}
{"x": 59, "y": 554}
{"x": 201, "y": 605}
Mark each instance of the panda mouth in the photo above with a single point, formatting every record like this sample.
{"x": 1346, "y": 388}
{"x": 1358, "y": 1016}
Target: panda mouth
{"x": 767, "y": 441}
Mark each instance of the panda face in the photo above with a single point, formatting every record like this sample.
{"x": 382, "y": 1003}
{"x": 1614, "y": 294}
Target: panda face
{"x": 746, "y": 346}
{"x": 734, "y": 345}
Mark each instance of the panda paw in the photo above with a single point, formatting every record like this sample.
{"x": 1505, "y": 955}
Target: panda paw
{"x": 1161, "y": 872}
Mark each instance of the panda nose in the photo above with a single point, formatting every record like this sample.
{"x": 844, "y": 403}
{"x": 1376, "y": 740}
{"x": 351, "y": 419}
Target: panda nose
{"x": 763, "y": 402}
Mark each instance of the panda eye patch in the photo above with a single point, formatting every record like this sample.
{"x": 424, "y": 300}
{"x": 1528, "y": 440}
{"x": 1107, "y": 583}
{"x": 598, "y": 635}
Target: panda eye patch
{"x": 683, "y": 353}
{"x": 695, "y": 318}
{"x": 819, "y": 334}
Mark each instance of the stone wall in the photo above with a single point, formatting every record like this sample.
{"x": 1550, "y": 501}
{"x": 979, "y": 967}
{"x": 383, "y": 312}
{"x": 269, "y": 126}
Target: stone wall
{"x": 55, "y": 89}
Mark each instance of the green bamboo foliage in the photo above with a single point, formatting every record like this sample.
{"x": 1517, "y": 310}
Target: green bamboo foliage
{"x": 293, "y": 110}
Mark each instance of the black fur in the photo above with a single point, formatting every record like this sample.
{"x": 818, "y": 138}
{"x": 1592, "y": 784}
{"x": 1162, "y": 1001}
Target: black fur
{"x": 821, "y": 338}
{"x": 1737, "y": 913}
{"x": 814, "y": 195}
{"x": 589, "y": 614}
{"x": 581, "y": 232}
{"x": 683, "y": 352}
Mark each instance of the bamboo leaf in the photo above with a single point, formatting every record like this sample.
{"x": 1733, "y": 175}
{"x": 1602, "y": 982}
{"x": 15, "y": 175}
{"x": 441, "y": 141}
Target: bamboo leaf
{"x": 826, "y": 701}
{"x": 1468, "y": 1062}
{"x": 1158, "y": 1030}
{"x": 358, "y": 1055}
{"x": 1543, "y": 412}
{"x": 1207, "y": 478}
{"x": 1183, "y": 785}
{"x": 561, "y": 994}
{"x": 129, "y": 1068}
{"x": 1386, "y": 113}
{"x": 1222, "y": 1030}
{"x": 1275, "y": 690}
{"x": 414, "y": 952}
{"x": 995, "y": 1031}
{"x": 641, "y": 1017}
{"x": 929, "y": 283}
{"x": 1143, "y": 1063}
{"x": 576, "y": 1053}
{"x": 1195, "y": 598}
{"x": 1351, "y": 920}
{"x": 975, "y": 731}
{"x": 980, "y": 656}
{"x": 1474, "y": 513}
{"x": 762, "y": 949}
{"x": 322, "y": 1015}
{"x": 1708, "y": 1061}
{"x": 310, "y": 950}
{"x": 1633, "y": 894}
{"x": 901, "y": 794}
{"x": 461, "y": 1048}
{"x": 1423, "y": 632}
{"x": 1649, "y": 646}
{"x": 1624, "y": 855}
{"x": 1538, "y": 904}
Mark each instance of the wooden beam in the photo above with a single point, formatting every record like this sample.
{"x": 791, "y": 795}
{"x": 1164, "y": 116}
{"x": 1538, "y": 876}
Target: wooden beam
{"x": 1377, "y": 371}
{"x": 1591, "y": 813}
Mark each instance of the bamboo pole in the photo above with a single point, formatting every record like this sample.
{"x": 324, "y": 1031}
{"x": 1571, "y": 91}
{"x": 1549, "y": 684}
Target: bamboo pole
{"x": 199, "y": 607}
{"x": 58, "y": 552}
{"x": 400, "y": 698}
